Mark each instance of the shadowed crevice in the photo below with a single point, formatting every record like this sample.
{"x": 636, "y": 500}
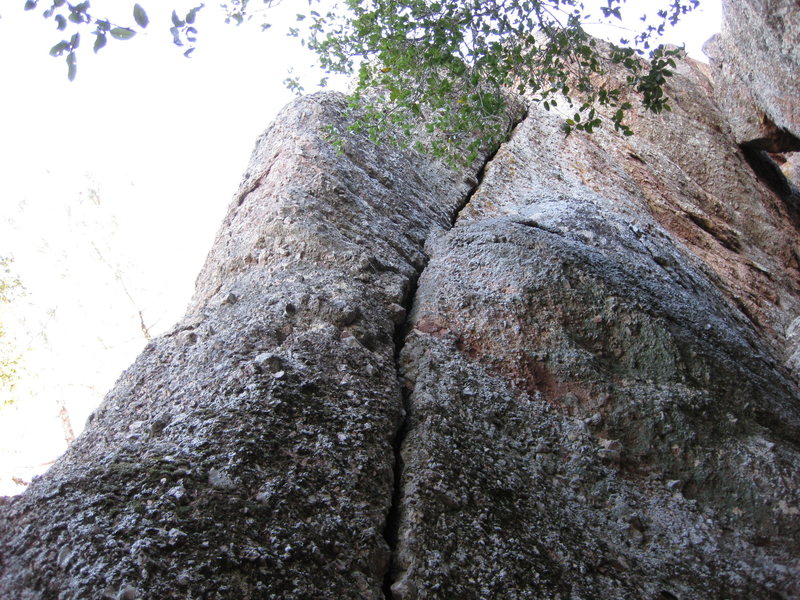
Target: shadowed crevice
{"x": 774, "y": 138}
{"x": 770, "y": 174}
{"x": 513, "y": 127}
{"x": 759, "y": 155}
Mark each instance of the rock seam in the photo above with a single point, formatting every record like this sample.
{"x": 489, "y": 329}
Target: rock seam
{"x": 392, "y": 524}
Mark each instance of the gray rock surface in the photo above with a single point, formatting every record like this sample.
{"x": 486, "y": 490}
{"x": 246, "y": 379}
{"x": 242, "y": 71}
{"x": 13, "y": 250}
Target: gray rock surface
{"x": 586, "y": 388}
{"x": 599, "y": 373}
{"x": 589, "y": 415}
{"x": 249, "y": 452}
{"x": 756, "y": 58}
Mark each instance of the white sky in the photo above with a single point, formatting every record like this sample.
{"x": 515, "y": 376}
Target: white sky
{"x": 112, "y": 187}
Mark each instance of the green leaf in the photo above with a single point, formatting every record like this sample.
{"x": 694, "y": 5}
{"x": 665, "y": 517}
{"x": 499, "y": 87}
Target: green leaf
{"x": 140, "y": 16}
{"x": 176, "y": 20}
{"x": 61, "y": 22}
{"x": 72, "y": 67}
{"x": 99, "y": 41}
{"x": 192, "y": 14}
{"x": 30, "y": 4}
{"x": 176, "y": 36}
{"x": 122, "y": 33}
{"x": 59, "y": 48}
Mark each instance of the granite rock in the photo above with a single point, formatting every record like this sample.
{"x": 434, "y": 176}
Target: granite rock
{"x": 756, "y": 58}
{"x": 567, "y": 371}
{"x": 249, "y": 452}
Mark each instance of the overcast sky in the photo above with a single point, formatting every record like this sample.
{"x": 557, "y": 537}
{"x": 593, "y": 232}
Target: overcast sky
{"x": 112, "y": 188}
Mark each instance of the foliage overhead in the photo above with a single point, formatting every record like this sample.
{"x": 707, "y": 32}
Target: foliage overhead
{"x": 449, "y": 64}
{"x": 452, "y": 62}
{"x": 74, "y": 19}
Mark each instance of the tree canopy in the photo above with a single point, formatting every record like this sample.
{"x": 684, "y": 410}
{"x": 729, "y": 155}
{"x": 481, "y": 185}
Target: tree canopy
{"x": 450, "y": 64}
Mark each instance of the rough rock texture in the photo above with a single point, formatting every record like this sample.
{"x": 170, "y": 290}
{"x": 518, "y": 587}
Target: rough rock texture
{"x": 596, "y": 408}
{"x": 755, "y": 61}
{"x": 595, "y": 394}
{"x": 756, "y": 58}
{"x": 249, "y": 453}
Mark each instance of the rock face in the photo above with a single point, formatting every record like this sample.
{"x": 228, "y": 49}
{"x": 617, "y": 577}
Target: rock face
{"x": 596, "y": 405}
{"x": 575, "y": 379}
{"x": 757, "y": 57}
{"x": 249, "y": 453}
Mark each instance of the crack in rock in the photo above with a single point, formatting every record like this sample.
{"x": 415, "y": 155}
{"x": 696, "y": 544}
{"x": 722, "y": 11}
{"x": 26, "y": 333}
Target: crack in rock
{"x": 392, "y": 524}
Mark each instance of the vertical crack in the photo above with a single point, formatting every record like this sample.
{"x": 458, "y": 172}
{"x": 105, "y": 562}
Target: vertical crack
{"x": 514, "y": 125}
{"x": 391, "y": 531}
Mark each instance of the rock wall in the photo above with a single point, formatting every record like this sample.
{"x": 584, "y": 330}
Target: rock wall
{"x": 570, "y": 372}
{"x": 756, "y": 58}
{"x": 249, "y": 453}
{"x": 597, "y": 404}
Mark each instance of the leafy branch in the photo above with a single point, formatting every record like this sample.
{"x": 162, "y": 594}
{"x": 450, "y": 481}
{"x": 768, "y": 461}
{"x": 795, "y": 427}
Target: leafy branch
{"x": 448, "y": 67}
{"x": 452, "y": 62}
{"x": 76, "y": 18}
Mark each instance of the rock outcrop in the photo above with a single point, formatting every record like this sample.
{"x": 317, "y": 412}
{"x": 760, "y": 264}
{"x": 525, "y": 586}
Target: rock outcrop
{"x": 570, "y": 372}
{"x": 756, "y": 58}
{"x": 249, "y": 452}
{"x": 597, "y": 404}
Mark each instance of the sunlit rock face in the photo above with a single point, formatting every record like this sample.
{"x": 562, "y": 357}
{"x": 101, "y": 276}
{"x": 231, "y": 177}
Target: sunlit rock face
{"x": 569, "y": 371}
